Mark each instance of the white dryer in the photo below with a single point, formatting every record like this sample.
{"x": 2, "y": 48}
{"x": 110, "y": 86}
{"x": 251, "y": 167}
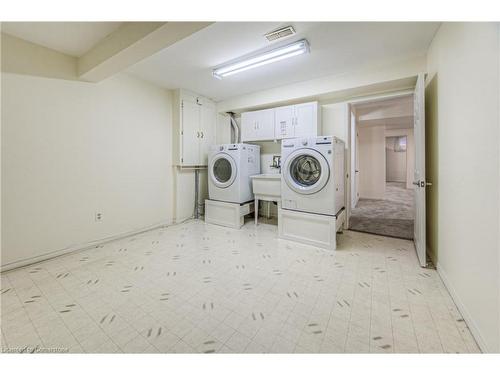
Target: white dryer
{"x": 229, "y": 169}
{"x": 312, "y": 175}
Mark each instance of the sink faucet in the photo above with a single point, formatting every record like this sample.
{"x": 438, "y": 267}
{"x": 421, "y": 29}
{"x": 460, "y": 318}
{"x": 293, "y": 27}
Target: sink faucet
{"x": 276, "y": 162}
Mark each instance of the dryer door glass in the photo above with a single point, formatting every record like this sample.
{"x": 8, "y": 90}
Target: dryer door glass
{"x": 305, "y": 170}
{"x": 222, "y": 170}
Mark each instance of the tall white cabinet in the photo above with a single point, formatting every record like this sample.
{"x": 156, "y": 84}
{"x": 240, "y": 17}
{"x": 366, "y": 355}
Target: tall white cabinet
{"x": 300, "y": 120}
{"x": 194, "y": 128}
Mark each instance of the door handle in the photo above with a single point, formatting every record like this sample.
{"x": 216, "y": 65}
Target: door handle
{"x": 422, "y": 183}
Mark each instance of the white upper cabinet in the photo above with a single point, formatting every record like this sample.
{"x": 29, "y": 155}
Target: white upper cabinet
{"x": 257, "y": 125}
{"x": 306, "y": 120}
{"x": 284, "y": 125}
{"x": 301, "y": 120}
{"x": 194, "y": 128}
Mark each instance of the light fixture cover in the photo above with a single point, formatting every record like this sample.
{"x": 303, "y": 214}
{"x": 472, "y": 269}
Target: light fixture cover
{"x": 294, "y": 49}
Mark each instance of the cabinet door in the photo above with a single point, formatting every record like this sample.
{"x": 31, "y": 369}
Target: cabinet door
{"x": 265, "y": 125}
{"x": 284, "y": 118}
{"x": 249, "y": 126}
{"x": 207, "y": 131}
{"x": 190, "y": 128}
{"x": 306, "y": 120}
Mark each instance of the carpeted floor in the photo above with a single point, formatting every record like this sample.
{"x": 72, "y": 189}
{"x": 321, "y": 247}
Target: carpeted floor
{"x": 392, "y": 216}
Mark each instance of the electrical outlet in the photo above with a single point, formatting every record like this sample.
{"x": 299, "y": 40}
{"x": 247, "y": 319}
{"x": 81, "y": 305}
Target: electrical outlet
{"x": 98, "y": 217}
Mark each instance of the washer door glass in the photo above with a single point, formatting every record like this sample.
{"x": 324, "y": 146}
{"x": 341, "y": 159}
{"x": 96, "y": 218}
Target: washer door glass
{"x": 306, "y": 171}
{"x": 223, "y": 170}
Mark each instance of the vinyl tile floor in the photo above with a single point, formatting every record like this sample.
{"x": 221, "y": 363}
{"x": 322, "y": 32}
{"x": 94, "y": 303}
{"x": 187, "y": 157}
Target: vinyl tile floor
{"x": 199, "y": 288}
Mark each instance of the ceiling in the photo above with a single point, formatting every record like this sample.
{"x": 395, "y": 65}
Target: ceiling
{"x": 71, "y": 38}
{"x": 394, "y": 113}
{"x": 336, "y": 48}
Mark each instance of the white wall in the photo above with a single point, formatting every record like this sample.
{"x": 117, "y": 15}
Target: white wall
{"x": 223, "y": 131}
{"x": 372, "y": 162}
{"x": 395, "y": 162}
{"x": 463, "y": 113}
{"x": 71, "y": 149}
{"x": 334, "y": 120}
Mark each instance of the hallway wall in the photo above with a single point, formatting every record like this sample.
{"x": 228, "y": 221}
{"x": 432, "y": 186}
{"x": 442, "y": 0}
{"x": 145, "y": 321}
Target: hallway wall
{"x": 462, "y": 115}
{"x": 372, "y": 162}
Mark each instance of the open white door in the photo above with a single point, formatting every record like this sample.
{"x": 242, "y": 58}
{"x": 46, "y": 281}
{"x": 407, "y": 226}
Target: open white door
{"x": 354, "y": 149}
{"x": 419, "y": 174}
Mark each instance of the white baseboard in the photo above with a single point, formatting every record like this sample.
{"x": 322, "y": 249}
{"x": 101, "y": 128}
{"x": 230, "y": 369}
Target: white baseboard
{"x": 79, "y": 247}
{"x": 463, "y": 310}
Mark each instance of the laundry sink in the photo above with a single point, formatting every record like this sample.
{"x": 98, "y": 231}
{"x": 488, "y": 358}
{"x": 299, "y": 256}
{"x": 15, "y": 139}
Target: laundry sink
{"x": 266, "y": 185}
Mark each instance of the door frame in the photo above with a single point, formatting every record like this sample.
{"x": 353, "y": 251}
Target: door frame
{"x": 419, "y": 179}
{"x": 349, "y": 103}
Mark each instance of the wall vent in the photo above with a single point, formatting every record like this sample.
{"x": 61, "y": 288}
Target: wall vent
{"x": 280, "y": 33}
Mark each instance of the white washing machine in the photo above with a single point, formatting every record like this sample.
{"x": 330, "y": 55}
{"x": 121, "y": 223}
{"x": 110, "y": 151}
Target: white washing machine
{"x": 312, "y": 175}
{"x": 229, "y": 169}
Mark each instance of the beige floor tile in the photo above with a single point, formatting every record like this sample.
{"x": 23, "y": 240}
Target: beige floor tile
{"x": 202, "y": 288}
{"x": 238, "y": 342}
{"x": 138, "y": 345}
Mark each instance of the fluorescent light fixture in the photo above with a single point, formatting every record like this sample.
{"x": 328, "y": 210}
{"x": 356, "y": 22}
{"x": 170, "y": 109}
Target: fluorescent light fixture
{"x": 290, "y": 50}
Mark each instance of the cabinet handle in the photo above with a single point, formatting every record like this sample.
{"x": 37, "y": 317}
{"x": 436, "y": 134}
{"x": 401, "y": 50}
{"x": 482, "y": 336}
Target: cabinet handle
{"x": 202, "y": 134}
{"x": 197, "y": 134}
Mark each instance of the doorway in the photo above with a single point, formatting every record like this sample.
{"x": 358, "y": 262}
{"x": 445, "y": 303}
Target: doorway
{"x": 383, "y": 163}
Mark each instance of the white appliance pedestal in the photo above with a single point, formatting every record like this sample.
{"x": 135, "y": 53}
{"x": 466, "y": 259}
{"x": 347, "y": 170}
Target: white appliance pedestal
{"x": 227, "y": 214}
{"x": 311, "y": 229}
